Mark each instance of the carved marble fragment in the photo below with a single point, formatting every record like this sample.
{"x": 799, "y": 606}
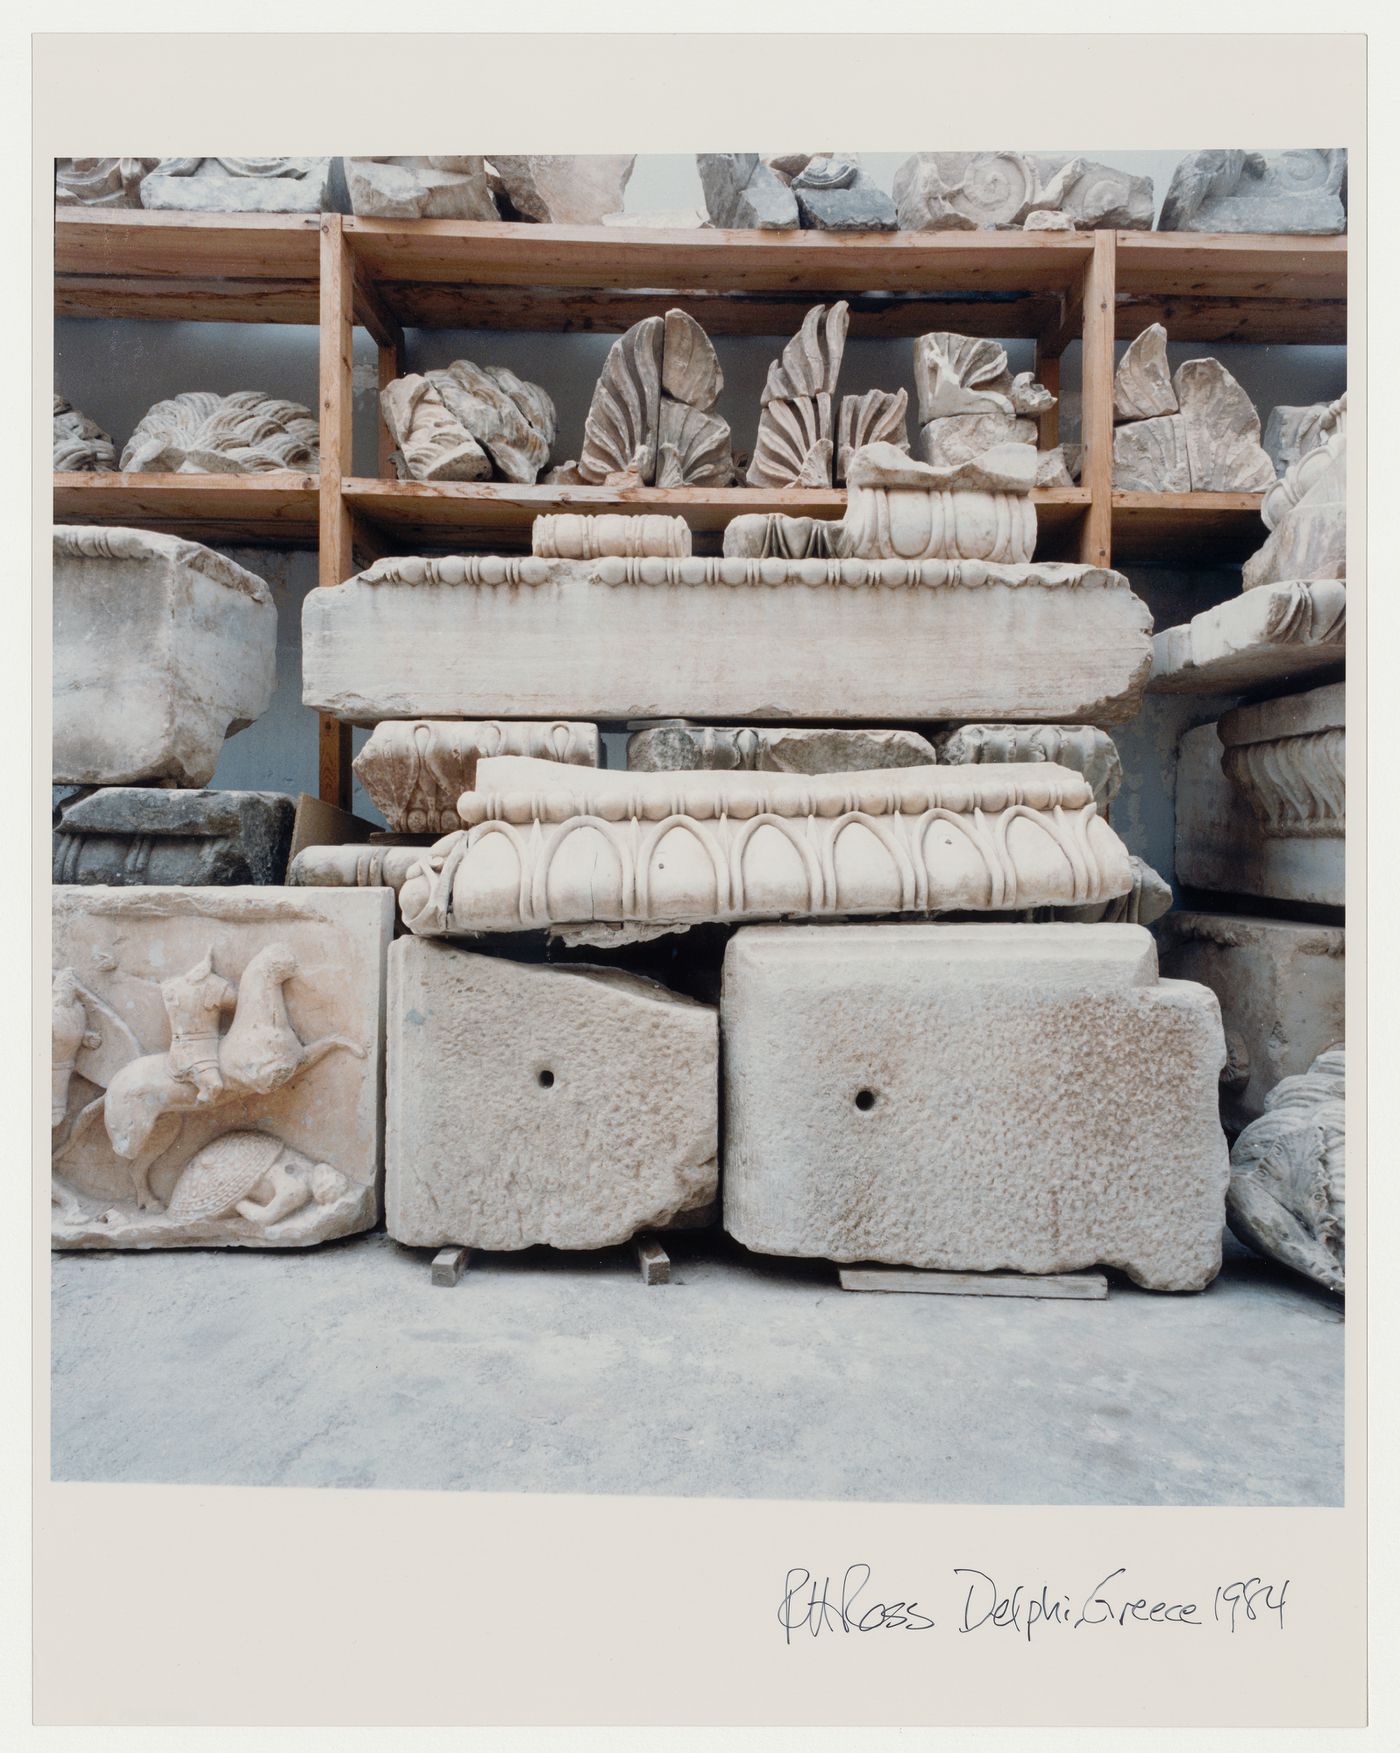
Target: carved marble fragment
{"x": 217, "y": 1066}
{"x": 877, "y": 417}
{"x": 239, "y": 185}
{"x": 578, "y": 536}
{"x": 1282, "y": 992}
{"x": 1142, "y": 384}
{"x": 137, "y": 835}
{"x": 1083, "y": 748}
{"x": 571, "y": 1106}
{"x": 834, "y": 193}
{"x": 162, "y": 648}
{"x": 1291, "y": 430}
{"x": 353, "y": 867}
{"x": 545, "y": 845}
{"x": 1094, "y": 196}
{"x": 100, "y": 182}
{"x": 972, "y": 1098}
{"x": 455, "y": 422}
{"x": 727, "y": 639}
{"x": 1300, "y": 191}
{"x": 795, "y": 438}
{"x": 674, "y": 748}
{"x": 650, "y": 423}
{"x": 1287, "y": 1196}
{"x": 743, "y": 193}
{"x": 1222, "y": 431}
{"x": 1306, "y": 512}
{"x": 420, "y": 188}
{"x": 416, "y": 770}
{"x": 564, "y": 188}
{"x": 1270, "y": 634}
{"x": 968, "y": 191}
{"x": 79, "y": 444}
{"x": 1151, "y": 456}
{"x": 969, "y": 402}
{"x": 203, "y": 433}
{"x": 431, "y": 443}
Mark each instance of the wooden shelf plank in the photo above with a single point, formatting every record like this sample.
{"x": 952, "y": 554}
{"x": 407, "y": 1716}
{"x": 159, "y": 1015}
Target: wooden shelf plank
{"x": 278, "y": 508}
{"x": 500, "y": 513}
{"x": 1293, "y": 322}
{"x": 1213, "y": 528}
{"x": 1213, "y": 264}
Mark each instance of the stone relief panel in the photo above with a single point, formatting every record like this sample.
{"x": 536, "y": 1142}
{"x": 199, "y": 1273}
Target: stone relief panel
{"x": 201, "y": 433}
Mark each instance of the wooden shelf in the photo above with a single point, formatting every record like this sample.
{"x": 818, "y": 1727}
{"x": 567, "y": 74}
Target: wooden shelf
{"x": 190, "y": 267}
{"x": 1213, "y": 286}
{"x": 1201, "y": 528}
{"x": 220, "y": 509}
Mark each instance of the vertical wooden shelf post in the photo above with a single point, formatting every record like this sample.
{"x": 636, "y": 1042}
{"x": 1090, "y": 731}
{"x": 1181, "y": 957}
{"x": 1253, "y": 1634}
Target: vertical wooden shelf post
{"x": 337, "y": 434}
{"x": 1096, "y": 402}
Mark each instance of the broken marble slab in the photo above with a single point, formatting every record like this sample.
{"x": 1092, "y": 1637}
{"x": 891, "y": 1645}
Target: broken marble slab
{"x": 419, "y": 188}
{"x": 570, "y": 1106}
{"x": 877, "y": 417}
{"x": 1222, "y": 431}
{"x": 742, "y": 193}
{"x": 1150, "y": 456}
{"x": 819, "y": 639}
{"x": 162, "y": 648}
{"x": 202, "y": 433}
{"x": 1045, "y": 220}
{"x": 415, "y": 770}
{"x": 79, "y": 444}
{"x": 672, "y": 748}
{"x": 1142, "y": 384}
{"x": 1052, "y": 467}
{"x": 100, "y": 182}
{"x": 578, "y": 536}
{"x": 834, "y": 193}
{"x": 959, "y": 438}
{"x": 960, "y": 374}
{"x": 1306, "y": 512}
{"x": 1094, "y": 196}
{"x": 545, "y": 845}
{"x": 1282, "y": 992}
{"x": 1083, "y": 748}
{"x": 239, "y": 185}
{"x": 217, "y": 1065}
{"x": 795, "y": 444}
{"x": 972, "y": 1098}
{"x": 649, "y": 422}
{"x": 1287, "y": 1196}
{"x": 1261, "y": 800}
{"x": 1300, "y": 192}
{"x": 353, "y": 866}
{"x": 558, "y": 188}
{"x": 1272, "y": 634}
{"x": 968, "y": 191}
{"x": 455, "y": 422}
{"x": 128, "y": 836}
{"x": 1291, "y": 430}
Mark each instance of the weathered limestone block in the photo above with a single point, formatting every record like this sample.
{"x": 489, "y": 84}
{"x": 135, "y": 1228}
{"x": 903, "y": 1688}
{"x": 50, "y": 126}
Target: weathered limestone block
{"x": 959, "y": 438}
{"x": 564, "y": 188}
{"x": 726, "y": 639}
{"x": 79, "y": 444}
{"x": 415, "y": 772}
{"x": 1222, "y": 431}
{"x": 420, "y": 188}
{"x": 1083, "y": 748}
{"x": 795, "y": 439}
{"x": 1052, "y": 468}
{"x": 972, "y": 1098}
{"x": 162, "y": 648}
{"x": 742, "y": 193}
{"x": 1287, "y": 1196}
{"x": 1282, "y": 992}
{"x": 1150, "y": 456}
{"x": 216, "y": 1066}
{"x": 571, "y": 1106}
{"x": 673, "y": 748}
{"x": 1261, "y": 800}
{"x": 1306, "y": 512}
{"x": 1291, "y": 431}
{"x": 100, "y": 182}
{"x": 877, "y": 417}
{"x": 447, "y": 423}
{"x": 202, "y": 433}
{"x": 1094, "y": 196}
{"x": 545, "y": 845}
{"x": 833, "y": 193}
{"x": 649, "y": 423}
{"x": 137, "y": 835}
{"x": 1271, "y": 634}
{"x": 239, "y": 185}
{"x": 577, "y": 536}
{"x": 1142, "y": 384}
{"x": 1301, "y": 192}
{"x": 1044, "y": 220}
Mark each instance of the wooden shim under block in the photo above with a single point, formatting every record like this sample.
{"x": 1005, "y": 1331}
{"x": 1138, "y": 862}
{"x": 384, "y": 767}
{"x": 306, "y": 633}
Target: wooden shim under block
{"x": 1080, "y": 1286}
{"x": 449, "y": 1264}
{"x": 652, "y": 1260}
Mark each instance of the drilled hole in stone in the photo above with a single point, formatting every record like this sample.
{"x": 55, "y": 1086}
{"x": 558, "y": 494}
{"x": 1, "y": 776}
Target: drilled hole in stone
{"x": 865, "y": 1100}
{"x": 545, "y": 1080}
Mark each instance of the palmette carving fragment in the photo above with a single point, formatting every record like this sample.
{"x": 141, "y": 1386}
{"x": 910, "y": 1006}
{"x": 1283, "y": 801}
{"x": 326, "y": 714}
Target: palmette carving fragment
{"x": 200, "y": 432}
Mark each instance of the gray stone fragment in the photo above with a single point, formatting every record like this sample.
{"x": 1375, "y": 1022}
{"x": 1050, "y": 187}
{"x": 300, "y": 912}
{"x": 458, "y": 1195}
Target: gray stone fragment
{"x": 754, "y": 748}
{"x": 1301, "y": 192}
{"x": 835, "y": 194}
{"x": 742, "y": 193}
{"x": 130, "y": 836}
{"x": 1290, "y": 432}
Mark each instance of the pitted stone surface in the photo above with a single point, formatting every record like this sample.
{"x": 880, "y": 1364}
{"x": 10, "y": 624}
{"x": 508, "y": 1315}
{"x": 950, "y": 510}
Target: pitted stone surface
{"x": 528, "y": 1104}
{"x": 972, "y": 1098}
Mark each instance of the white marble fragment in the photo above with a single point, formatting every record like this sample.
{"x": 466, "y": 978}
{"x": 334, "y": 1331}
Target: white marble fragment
{"x": 1287, "y": 1196}
{"x": 420, "y": 188}
{"x": 1083, "y": 748}
{"x": 564, "y": 188}
{"x": 100, "y": 182}
{"x": 1306, "y": 512}
{"x": 1142, "y": 384}
{"x": 203, "y": 433}
{"x": 239, "y": 185}
{"x": 571, "y": 1105}
{"x": 1151, "y": 456}
{"x": 1291, "y": 430}
{"x": 877, "y": 417}
{"x": 1270, "y": 634}
{"x": 796, "y": 441}
{"x": 972, "y": 1098}
{"x": 571, "y": 535}
{"x": 649, "y": 423}
{"x": 1222, "y": 431}
{"x": 79, "y": 444}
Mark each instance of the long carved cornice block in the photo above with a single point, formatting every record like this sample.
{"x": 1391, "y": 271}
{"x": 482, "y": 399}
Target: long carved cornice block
{"x": 972, "y": 1098}
{"x": 549, "y": 846}
{"x": 727, "y": 639}
{"x": 1269, "y": 634}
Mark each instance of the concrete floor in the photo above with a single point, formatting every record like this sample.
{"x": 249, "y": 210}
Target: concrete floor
{"x": 744, "y": 1377}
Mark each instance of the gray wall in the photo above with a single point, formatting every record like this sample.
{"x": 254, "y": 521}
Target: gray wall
{"x": 114, "y": 371}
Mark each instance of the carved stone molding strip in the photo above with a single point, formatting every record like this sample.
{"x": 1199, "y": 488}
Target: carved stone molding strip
{"x": 113, "y": 542}
{"x": 199, "y": 432}
{"x": 1083, "y": 748}
{"x": 1296, "y": 785}
{"x": 1263, "y": 635}
{"x": 577, "y": 536}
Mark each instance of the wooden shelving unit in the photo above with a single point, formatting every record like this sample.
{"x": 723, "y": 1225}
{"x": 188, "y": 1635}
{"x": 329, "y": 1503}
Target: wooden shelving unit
{"x": 388, "y": 275}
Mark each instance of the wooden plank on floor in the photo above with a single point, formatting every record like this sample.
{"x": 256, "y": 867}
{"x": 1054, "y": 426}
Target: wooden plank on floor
{"x": 1083, "y": 1286}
